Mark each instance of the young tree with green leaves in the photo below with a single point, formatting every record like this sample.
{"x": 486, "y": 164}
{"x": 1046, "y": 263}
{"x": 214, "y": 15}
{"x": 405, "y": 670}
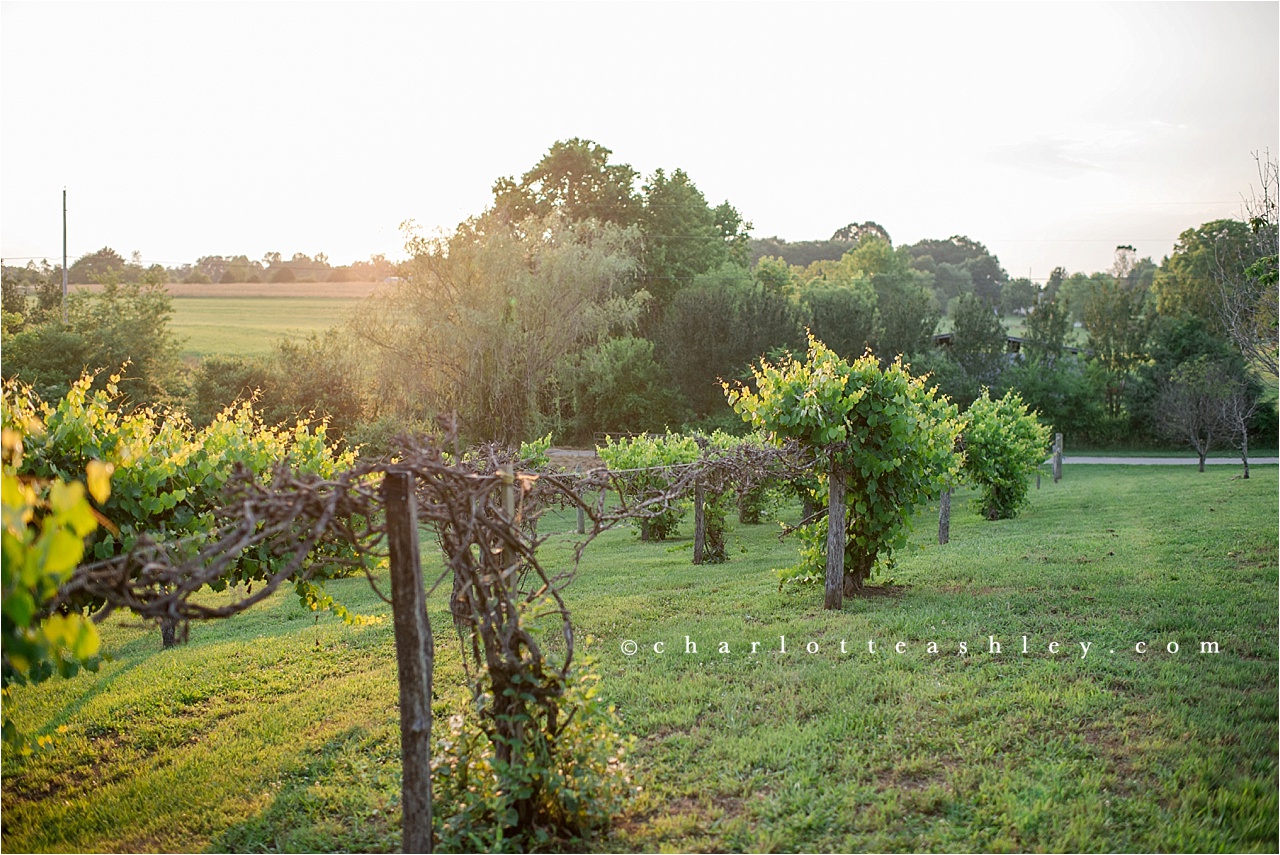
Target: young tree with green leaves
{"x": 1004, "y": 445}
{"x": 885, "y": 440}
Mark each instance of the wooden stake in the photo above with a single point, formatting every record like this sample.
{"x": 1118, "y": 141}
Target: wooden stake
{"x": 834, "y": 598}
{"x": 944, "y": 517}
{"x": 699, "y": 522}
{"x": 415, "y": 659}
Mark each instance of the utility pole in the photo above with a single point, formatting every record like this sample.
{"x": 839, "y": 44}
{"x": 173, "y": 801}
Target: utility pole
{"x": 64, "y": 255}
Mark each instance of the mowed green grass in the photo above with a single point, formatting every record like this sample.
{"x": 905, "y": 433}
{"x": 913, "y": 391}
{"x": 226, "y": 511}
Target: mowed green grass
{"x": 277, "y": 730}
{"x": 249, "y": 326}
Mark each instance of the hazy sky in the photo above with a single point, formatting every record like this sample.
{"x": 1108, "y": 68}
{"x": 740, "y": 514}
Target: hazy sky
{"x": 1050, "y": 132}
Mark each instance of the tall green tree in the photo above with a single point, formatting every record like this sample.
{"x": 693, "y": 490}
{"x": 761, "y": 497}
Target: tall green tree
{"x": 616, "y": 387}
{"x": 984, "y": 269}
{"x": 1018, "y": 296}
{"x": 906, "y": 311}
{"x": 95, "y": 266}
{"x": 684, "y": 236}
{"x": 1048, "y": 324}
{"x": 575, "y": 180}
{"x": 978, "y": 345}
{"x": 1190, "y": 279}
{"x": 1116, "y": 315}
{"x": 844, "y": 315}
{"x": 715, "y": 329}
{"x": 483, "y": 317}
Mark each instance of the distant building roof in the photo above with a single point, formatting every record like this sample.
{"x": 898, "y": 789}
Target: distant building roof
{"x": 1013, "y": 343}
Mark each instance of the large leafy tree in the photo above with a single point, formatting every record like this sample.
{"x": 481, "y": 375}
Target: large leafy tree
{"x": 715, "y": 329}
{"x": 682, "y": 234}
{"x": 1048, "y": 325}
{"x": 979, "y": 340}
{"x": 484, "y": 317}
{"x": 576, "y": 180}
{"x": 886, "y": 441}
{"x": 685, "y": 236}
{"x": 906, "y": 312}
{"x": 94, "y": 266}
{"x": 843, "y": 315}
{"x": 1189, "y": 280}
{"x": 1116, "y": 315}
{"x": 617, "y": 387}
{"x": 984, "y": 269}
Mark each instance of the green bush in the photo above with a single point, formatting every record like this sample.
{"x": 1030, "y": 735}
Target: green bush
{"x": 616, "y": 386}
{"x": 169, "y": 477}
{"x": 45, "y": 526}
{"x": 649, "y": 461}
{"x": 580, "y": 776}
{"x": 1004, "y": 445}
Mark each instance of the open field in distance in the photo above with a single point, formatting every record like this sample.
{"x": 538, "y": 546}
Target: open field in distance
{"x": 249, "y": 326}
{"x": 246, "y": 319}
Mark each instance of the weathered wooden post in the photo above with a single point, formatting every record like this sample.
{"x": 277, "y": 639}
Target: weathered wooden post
{"x": 944, "y": 517}
{"x": 699, "y": 510}
{"x": 834, "y": 598}
{"x": 582, "y": 520}
{"x": 415, "y": 659}
{"x": 1057, "y": 457}
{"x": 509, "y": 493}
{"x": 699, "y": 521}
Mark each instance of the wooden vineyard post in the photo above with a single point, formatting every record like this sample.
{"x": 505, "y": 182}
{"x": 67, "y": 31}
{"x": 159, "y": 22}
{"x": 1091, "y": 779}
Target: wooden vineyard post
{"x": 699, "y": 509}
{"x": 699, "y": 521}
{"x": 1057, "y": 457}
{"x": 415, "y": 659}
{"x": 509, "y": 493}
{"x": 582, "y": 520}
{"x": 834, "y": 598}
{"x": 509, "y": 509}
{"x": 944, "y": 517}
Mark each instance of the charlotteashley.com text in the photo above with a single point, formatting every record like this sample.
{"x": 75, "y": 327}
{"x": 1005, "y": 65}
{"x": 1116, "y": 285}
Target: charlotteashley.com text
{"x": 873, "y": 648}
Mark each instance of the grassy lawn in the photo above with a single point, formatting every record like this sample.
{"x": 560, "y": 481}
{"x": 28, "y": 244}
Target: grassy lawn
{"x": 249, "y": 326}
{"x": 277, "y": 730}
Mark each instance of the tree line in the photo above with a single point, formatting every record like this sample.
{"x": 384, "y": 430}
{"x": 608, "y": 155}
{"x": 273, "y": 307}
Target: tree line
{"x": 92, "y": 267}
{"x": 587, "y": 299}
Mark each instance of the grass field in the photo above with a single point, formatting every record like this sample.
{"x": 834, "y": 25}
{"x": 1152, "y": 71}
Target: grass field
{"x": 243, "y": 319}
{"x": 277, "y": 730}
{"x": 249, "y": 326}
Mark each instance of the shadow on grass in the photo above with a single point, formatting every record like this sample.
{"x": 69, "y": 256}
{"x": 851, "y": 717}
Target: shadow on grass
{"x": 345, "y": 799}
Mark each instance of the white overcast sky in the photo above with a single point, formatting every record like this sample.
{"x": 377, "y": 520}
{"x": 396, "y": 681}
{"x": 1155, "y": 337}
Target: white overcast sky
{"x": 1050, "y": 132}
